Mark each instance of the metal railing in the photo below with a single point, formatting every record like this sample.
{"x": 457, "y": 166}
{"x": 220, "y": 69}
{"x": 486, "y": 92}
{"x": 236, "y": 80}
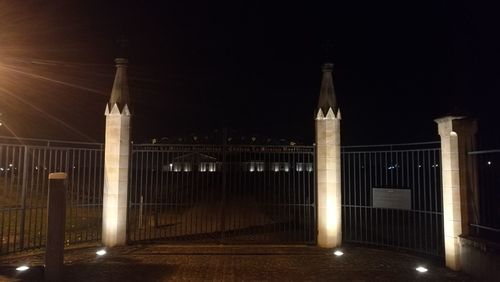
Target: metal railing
{"x": 222, "y": 194}
{"x": 24, "y": 168}
{"x": 484, "y": 179}
{"x": 391, "y": 196}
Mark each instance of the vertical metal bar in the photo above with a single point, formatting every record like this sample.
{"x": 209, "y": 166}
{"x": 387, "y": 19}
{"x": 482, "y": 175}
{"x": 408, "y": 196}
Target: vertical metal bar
{"x": 355, "y": 189}
{"x": 78, "y": 194}
{"x": 134, "y": 192}
{"x": 428, "y": 225}
{"x": 406, "y": 232}
{"x": 2, "y": 211}
{"x": 365, "y": 198}
{"x": 141, "y": 191}
{"x": 304, "y": 160}
{"x": 165, "y": 178}
{"x": 150, "y": 186}
{"x": 223, "y": 194}
{"x": 437, "y": 190}
{"x": 83, "y": 220}
{"x": 32, "y": 204}
{"x": 290, "y": 189}
{"x": 415, "y": 172}
{"x": 378, "y": 182}
{"x": 370, "y": 204}
{"x": 87, "y": 193}
{"x": 95, "y": 164}
{"x": 163, "y": 200}
{"x": 177, "y": 199}
{"x": 314, "y": 206}
{"x": 157, "y": 199}
{"x": 192, "y": 204}
{"x": 23, "y": 196}
{"x": 42, "y": 187}
{"x": 29, "y": 174}
{"x": 169, "y": 192}
{"x": 146, "y": 175}
{"x": 141, "y": 209}
{"x": 9, "y": 223}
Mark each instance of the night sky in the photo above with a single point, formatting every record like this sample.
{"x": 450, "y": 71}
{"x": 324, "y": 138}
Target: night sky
{"x": 249, "y": 66}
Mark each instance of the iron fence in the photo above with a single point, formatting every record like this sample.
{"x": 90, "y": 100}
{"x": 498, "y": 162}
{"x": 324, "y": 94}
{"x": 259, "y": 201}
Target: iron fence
{"x": 222, "y": 194}
{"x": 226, "y": 194}
{"x": 391, "y": 196}
{"x": 485, "y": 181}
{"x": 24, "y": 168}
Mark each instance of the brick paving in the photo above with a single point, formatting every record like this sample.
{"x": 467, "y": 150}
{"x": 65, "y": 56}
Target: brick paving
{"x": 232, "y": 263}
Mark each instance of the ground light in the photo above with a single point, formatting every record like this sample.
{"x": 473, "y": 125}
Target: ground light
{"x": 338, "y": 253}
{"x": 421, "y": 269}
{"x": 101, "y": 252}
{"x": 22, "y": 268}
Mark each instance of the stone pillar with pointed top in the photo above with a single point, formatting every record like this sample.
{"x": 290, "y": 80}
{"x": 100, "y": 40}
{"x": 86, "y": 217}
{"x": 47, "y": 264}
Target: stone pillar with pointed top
{"x": 457, "y": 138}
{"x": 328, "y": 174}
{"x": 116, "y": 160}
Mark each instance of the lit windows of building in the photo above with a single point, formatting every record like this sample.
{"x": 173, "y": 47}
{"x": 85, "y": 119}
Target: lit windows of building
{"x": 280, "y": 166}
{"x": 307, "y": 167}
{"x": 208, "y": 166}
{"x": 254, "y": 166}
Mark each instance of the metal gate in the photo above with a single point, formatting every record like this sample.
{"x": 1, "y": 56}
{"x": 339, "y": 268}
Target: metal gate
{"x": 391, "y": 196}
{"x": 484, "y": 174}
{"x": 24, "y": 168}
{"x": 222, "y": 194}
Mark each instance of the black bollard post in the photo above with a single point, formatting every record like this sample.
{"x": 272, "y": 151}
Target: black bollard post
{"x": 56, "y": 215}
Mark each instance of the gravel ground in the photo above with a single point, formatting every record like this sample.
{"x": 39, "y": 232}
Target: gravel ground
{"x": 232, "y": 263}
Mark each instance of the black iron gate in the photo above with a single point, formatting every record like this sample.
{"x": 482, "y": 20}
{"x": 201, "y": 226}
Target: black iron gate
{"x": 222, "y": 194}
{"x": 391, "y": 196}
{"x": 25, "y": 165}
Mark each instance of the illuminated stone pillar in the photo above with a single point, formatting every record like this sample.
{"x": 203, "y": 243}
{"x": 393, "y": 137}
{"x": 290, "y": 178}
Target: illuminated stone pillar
{"x": 457, "y": 138}
{"x": 116, "y": 161}
{"x": 328, "y": 174}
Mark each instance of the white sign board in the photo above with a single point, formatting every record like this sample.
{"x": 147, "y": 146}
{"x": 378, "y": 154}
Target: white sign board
{"x": 391, "y": 198}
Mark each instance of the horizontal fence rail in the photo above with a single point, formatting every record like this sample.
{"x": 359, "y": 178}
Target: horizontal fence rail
{"x": 24, "y": 168}
{"x": 222, "y": 194}
{"x": 391, "y": 196}
{"x": 485, "y": 181}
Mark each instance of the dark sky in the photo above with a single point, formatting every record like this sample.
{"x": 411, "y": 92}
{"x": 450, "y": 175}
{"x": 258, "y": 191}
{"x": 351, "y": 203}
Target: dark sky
{"x": 250, "y": 66}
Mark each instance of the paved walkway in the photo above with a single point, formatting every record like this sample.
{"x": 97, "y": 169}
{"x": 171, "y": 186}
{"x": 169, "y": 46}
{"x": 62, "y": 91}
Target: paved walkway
{"x": 232, "y": 263}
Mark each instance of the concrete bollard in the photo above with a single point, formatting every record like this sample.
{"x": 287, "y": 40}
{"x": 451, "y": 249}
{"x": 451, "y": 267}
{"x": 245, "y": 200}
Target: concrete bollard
{"x": 56, "y": 215}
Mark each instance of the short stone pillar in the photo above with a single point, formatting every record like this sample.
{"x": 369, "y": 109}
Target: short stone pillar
{"x": 328, "y": 173}
{"x": 457, "y": 138}
{"x": 56, "y": 218}
{"x": 116, "y": 161}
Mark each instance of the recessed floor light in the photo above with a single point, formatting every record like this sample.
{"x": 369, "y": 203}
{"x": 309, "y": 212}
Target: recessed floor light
{"x": 421, "y": 269}
{"x": 338, "y": 253}
{"x": 22, "y": 268}
{"x": 101, "y": 252}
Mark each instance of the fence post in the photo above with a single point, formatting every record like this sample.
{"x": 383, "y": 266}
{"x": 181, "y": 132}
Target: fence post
{"x": 56, "y": 215}
{"x": 457, "y": 138}
{"x": 328, "y": 174}
{"x": 116, "y": 160}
